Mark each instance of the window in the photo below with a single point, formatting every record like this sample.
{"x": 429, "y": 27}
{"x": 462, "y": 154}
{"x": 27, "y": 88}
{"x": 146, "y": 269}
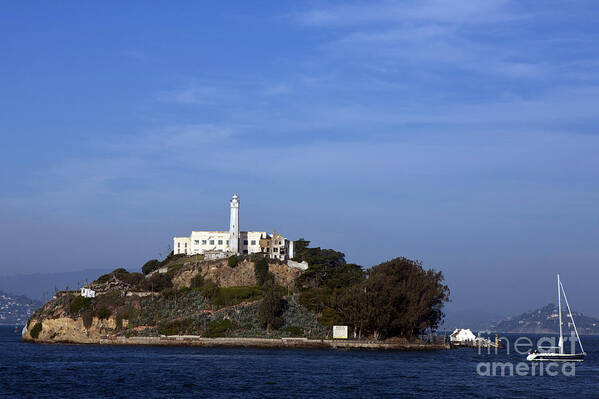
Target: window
{"x": 245, "y": 242}
{"x": 279, "y": 242}
{"x": 197, "y": 242}
{"x": 203, "y": 242}
{"x": 178, "y": 245}
{"x": 227, "y": 242}
{"x": 220, "y": 242}
{"x": 211, "y": 242}
{"x": 245, "y": 251}
{"x": 253, "y": 242}
{"x": 275, "y": 250}
{"x": 185, "y": 246}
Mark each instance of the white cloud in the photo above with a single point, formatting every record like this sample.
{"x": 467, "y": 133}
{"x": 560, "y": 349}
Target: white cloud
{"x": 198, "y": 94}
{"x": 446, "y": 11}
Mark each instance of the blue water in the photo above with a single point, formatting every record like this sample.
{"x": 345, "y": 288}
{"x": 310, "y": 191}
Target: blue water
{"x": 53, "y": 371}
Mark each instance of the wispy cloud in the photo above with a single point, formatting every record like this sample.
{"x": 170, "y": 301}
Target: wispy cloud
{"x": 446, "y": 11}
{"x": 483, "y": 38}
{"x": 198, "y": 94}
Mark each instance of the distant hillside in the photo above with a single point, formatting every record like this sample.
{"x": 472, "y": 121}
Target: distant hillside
{"x": 545, "y": 321}
{"x": 41, "y": 286}
{"x": 16, "y": 309}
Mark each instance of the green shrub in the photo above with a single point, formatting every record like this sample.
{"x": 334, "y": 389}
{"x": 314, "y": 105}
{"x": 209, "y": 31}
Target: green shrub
{"x": 175, "y": 327}
{"x": 174, "y": 268}
{"x": 233, "y": 260}
{"x": 156, "y": 283}
{"x": 129, "y": 313}
{"x": 110, "y": 299}
{"x": 295, "y": 331}
{"x": 122, "y": 275}
{"x": 36, "y": 330}
{"x": 88, "y": 317}
{"x": 103, "y": 313}
{"x": 79, "y": 303}
{"x": 150, "y": 266}
{"x": 228, "y": 296}
{"x": 132, "y": 279}
{"x": 169, "y": 293}
{"x": 104, "y": 278}
{"x": 210, "y": 289}
{"x": 197, "y": 282}
{"x": 219, "y": 328}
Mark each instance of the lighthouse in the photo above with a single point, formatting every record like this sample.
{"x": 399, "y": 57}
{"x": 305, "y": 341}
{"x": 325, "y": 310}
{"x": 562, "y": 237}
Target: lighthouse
{"x": 234, "y": 225}
{"x": 218, "y": 244}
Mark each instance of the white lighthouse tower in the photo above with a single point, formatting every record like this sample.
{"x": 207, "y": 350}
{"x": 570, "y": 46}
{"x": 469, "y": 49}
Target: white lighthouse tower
{"x": 234, "y": 225}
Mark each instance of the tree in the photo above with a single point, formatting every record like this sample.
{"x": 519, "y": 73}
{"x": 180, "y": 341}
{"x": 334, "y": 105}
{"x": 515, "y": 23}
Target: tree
{"x": 326, "y": 268}
{"x": 261, "y": 271}
{"x": 399, "y": 298}
{"x": 327, "y": 272}
{"x": 270, "y": 310}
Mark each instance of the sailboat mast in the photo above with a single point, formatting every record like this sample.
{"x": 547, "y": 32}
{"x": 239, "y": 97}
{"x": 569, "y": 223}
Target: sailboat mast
{"x": 572, "y": 318}
{"x": 559, "y": 301}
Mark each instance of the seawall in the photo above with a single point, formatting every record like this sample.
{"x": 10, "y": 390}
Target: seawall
{"x": 294, "y": 343}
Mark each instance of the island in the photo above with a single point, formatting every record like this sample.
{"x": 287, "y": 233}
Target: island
{"x": 251, "y": 300}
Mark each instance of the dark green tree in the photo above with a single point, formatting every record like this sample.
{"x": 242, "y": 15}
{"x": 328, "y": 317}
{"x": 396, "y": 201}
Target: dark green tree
{"x": 270, "y": 310}
{"x": 261, "y": 271}
{"x": 399, "y": 298}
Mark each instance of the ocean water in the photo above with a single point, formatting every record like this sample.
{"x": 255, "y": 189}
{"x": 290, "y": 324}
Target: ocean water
{"x": 58, "y": 371}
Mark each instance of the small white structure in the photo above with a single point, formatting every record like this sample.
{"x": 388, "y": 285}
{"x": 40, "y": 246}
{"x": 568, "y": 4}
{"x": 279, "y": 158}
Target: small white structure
{"x": 340, "y": 332}
{"x": 215, "y": 254}
{"x": 235, "y": 242}
{"x": 298, "y": 265}
{"x": 462, "y": 335}
{"x": 88, "y": 293}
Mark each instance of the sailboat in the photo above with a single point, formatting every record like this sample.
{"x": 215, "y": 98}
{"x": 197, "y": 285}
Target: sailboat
{"x": 559, "y": 355}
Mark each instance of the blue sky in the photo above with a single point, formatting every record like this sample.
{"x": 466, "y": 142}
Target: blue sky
{"x": 460, "y": 133}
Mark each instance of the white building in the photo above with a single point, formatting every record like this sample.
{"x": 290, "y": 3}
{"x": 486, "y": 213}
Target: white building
{"x": 88, "y": 293}
{"x": 462, "y": 335}
{"x": 222, "y": 243}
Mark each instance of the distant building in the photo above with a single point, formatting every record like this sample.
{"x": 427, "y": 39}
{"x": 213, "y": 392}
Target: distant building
{"x": 219, "y": 244}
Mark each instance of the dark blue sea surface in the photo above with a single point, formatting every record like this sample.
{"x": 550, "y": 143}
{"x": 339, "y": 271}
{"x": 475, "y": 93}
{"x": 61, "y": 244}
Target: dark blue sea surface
{"x": 57, "y": 371}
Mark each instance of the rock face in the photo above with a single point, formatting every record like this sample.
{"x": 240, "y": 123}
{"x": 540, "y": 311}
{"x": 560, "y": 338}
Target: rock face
{"x": 66, "y": 329}
{"x": 241, "y": 275}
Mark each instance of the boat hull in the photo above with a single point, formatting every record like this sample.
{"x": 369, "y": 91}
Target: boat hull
{"x": 555, "y": 357}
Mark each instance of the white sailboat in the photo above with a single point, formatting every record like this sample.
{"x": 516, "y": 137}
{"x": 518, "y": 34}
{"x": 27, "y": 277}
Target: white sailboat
{"x": 559, "y": 355}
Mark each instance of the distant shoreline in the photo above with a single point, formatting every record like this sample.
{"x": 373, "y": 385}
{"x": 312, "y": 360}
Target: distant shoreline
{"x": 280, "y": 343}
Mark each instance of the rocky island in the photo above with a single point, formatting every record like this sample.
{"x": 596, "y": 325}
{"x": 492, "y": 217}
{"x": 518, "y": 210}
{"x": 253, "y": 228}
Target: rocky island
{"x": 250, "y": 301}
